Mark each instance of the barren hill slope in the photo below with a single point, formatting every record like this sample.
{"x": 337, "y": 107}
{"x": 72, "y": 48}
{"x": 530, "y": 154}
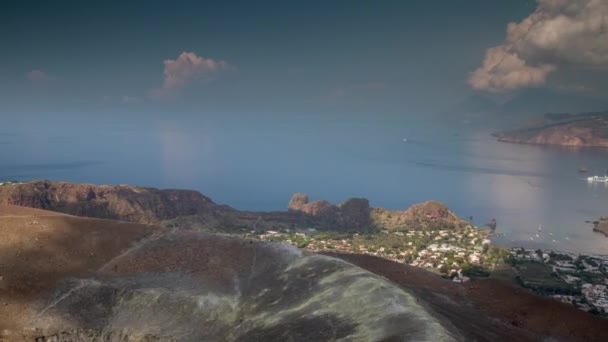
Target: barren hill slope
{"x": 86, "y": 279}
{"x": 39, "y": 248}
{"x": 70, "y": 278}
{"x": 117, "y": 202}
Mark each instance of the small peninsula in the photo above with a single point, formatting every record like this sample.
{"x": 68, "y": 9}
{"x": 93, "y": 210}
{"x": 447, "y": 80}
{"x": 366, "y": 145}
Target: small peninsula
{"x": 570, "y": 130}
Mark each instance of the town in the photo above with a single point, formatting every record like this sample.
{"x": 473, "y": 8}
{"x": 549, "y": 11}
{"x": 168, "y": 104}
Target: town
{"x": 454, "y": 254}
{"x": 575, "y": 279}
{"x": 468, "y": 253}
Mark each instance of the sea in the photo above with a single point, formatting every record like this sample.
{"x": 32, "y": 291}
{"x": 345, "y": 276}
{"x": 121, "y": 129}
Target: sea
{"x": 536, "y": 193}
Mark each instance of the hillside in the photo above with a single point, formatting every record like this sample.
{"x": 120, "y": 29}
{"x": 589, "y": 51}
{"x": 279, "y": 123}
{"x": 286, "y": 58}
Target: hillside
{"x": 72, "y": 278}
{"x": 489, "y": 310}
{"x": 580, "y": 130}
{"x": 116, "y": 202}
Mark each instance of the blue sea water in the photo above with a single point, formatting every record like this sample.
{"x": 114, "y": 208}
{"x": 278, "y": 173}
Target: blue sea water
{"x": 259, "y": 164}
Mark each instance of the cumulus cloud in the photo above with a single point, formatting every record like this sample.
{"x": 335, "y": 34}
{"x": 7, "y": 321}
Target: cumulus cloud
{"x": 505, "y": 70}
{"x": 558, "y": 33}
{"x": 37, "y": 76}
{"x": 188, "y": 68}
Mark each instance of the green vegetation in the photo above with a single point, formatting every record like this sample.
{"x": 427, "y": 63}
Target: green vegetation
{"x": 540, "y": 278}
{"x": 445, "y": 251}
{"x": 474, "y": 270}
{"x": 494, "y": 255}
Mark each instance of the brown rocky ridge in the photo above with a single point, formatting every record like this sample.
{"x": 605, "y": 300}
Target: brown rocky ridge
{"x": 357, "y": 213}
{"x": 187, "y": 208}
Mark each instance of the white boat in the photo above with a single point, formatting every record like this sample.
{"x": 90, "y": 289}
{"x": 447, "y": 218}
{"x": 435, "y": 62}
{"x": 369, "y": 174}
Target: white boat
{"x": 598, "y": 179}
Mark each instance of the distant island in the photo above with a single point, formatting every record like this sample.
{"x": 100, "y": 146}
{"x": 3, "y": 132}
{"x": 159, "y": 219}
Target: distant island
{"x": 571, "y": 130}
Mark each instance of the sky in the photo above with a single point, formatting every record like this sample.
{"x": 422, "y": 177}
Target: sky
{"x": 71, "y": 58}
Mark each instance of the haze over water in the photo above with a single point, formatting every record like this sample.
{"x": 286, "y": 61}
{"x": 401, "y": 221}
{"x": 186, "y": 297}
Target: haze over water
{"x": 259, "y": 164}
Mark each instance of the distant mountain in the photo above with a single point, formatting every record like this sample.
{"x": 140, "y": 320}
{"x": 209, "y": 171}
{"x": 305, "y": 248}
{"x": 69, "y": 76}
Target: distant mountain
{"x": 497, "y": 112}
{"x": 573, "y": 130}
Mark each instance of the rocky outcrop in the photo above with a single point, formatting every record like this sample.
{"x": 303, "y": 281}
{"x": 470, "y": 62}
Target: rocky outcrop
{"x": 118, "y": 202}
{"x": 356, "y": 214}
{"x": 353, "y": 214}
{"x": 319, "y": 209}
{"x": 428, "y": 215}
{"x": 583, "y": 130}
{"x": 298, "y": 202}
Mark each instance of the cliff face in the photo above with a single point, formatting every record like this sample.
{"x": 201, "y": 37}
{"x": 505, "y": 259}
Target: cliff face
{"x": 582, "y": 130}
{"x": 118, "y": 202}
{"x": 354, "y": 214}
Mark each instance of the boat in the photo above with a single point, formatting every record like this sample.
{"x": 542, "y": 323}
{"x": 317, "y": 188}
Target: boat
{"x": 598, "y": 179}
{"x": 583, "y": 169}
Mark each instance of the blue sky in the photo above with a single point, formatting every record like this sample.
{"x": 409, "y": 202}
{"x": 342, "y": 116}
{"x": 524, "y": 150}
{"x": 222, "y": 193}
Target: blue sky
{"x": 326, "y": 58}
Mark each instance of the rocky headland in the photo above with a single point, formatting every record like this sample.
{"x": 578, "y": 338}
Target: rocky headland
{"x": 601, "y": 226}
{"x": 569, "y": 130}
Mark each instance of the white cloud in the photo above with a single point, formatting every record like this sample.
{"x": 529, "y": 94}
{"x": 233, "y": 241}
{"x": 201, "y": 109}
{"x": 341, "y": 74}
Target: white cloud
{"x": 558, "y": 33}
{"x": 188, "y": 68}
{"x": 505, "y": 70}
